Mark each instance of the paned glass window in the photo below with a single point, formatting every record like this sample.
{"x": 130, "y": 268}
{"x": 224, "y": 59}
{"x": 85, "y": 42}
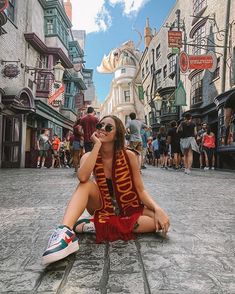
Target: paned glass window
{"x": 50, "y": 26}
{"x": 196, "y": 88}
{"x": 158, "y": 52}
{"x": 158, "y": 78}
{"x": 216, "y": 73}
{"x": 172, "y": 63}
{"x": 198, "y": 39}
{"x": 198, "y": 5}
{"x": 127, "y": 96}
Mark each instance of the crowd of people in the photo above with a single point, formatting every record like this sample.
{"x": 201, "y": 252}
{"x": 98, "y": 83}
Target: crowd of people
{"x": 172, "y": 148}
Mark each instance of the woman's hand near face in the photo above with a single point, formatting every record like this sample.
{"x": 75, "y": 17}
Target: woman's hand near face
{"x": 95, "y": 139}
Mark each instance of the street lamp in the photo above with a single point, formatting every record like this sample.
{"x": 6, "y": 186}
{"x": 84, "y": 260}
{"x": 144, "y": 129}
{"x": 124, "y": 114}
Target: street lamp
{"x": 157, "y": 102}
{"x": 57, "y": 72}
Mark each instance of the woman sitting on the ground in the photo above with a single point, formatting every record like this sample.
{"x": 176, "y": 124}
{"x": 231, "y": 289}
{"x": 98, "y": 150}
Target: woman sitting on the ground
{"x": 117, "y": 198}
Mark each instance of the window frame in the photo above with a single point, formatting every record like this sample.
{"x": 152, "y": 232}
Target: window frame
{"x": 196, "y": 88}
{"x": 127, "y": 96}
{"x": 198, "y": 5}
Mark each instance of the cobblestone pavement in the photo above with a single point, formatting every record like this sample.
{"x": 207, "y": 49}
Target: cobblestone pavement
{"x": 196, "y": 257}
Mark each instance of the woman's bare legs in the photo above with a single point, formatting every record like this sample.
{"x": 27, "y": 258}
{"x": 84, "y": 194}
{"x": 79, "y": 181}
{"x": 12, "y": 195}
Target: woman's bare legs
{"x": 146, "y": 222}
{"x": 86, "y": 196}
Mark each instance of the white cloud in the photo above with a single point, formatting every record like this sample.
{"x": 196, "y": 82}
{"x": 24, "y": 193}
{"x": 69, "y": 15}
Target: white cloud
{"x": 129, "y": 6}
{"x": 90, "y": 15}
{"x": 93, "y": 16}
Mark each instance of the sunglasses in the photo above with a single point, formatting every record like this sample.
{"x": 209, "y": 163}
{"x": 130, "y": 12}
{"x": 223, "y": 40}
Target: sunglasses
{"x": 108, "y": 128}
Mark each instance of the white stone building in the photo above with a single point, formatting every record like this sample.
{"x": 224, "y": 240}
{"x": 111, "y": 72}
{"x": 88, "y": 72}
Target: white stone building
{"x": 125, "y": 89}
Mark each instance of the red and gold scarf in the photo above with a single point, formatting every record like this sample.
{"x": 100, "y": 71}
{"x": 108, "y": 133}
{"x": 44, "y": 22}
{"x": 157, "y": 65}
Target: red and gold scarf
{"x": 110, "y": 227}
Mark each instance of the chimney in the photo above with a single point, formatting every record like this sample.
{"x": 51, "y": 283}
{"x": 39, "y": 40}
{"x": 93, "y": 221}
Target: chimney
{"x": 147, "y": 34}
{"x": 68, "y": 8}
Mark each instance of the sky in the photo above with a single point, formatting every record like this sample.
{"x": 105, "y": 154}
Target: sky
{"x": 109, "y": 23}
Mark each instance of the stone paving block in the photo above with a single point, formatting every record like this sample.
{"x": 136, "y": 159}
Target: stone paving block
{"x": 17, "y": 281}
{"x": 125, "y": 283}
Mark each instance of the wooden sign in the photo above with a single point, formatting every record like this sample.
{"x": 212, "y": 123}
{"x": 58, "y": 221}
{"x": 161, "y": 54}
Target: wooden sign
{"x": 175, "y": 39}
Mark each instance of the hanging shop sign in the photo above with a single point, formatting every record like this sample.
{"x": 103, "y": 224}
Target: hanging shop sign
{"x": 3, "y": 5}
{"x": 180, "y": 95}
{"x": 11, "y": 71}
{"x": 175, "y": 39}
{"x": 184, "y": 62}
{"x": 208, "y": 61}
{"x": 57, "y": 95}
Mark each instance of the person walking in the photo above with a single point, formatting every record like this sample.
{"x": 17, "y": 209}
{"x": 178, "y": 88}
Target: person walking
{"x": 55, "y": 151}
{"x": 133, "y": 127}
{"x": 144, "y": 136}
{"x": 187, "y": 130}
{"x": 173, "y": 139}
{"x": 43, "y": 145}
{"x": 156, "y": 153}
{"x": 199, "y": 142}
{"x": 78, "y": 143}
{"x": 118, "y": 213}
{"x": 208, "y": 143}
{"x": 88, "y": 123}
{"x": 163, "y": 147}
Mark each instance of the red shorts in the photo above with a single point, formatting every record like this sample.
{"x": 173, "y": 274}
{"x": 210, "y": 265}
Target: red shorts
{"x": 117, "y": 228}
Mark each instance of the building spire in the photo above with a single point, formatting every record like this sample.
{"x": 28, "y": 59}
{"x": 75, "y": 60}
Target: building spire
{"x": 147, "y": 33}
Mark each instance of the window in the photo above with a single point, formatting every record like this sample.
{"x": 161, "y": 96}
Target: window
{"x": 43, "y": 82}
{"x": 196, "y": 88}
{"x": 151, "y": 118}
{"x": 147, "y": 94}
{"x": 158, "y": 78}
{"x": 198, "y": 5}
{"x": 172, "y": 63}
{"x": 66, "y": 102}
{"x": 158, "y": 53}
{"x": 10, "y": 11}
{"x": 141, "y": 92}
{"x": 123, "y": 70}
{"x": 147, "y": 66}
{"x": 217, "y": 71}
{"x": 198, "y": 40}
{"x": 50, "y": 26}
{"x": 68, "y": 88}
{"x": 222, "y": 131}
{"x": 165, "y": 71}
{"x": 127, "y": 95}
{"x": 143, "y": 73}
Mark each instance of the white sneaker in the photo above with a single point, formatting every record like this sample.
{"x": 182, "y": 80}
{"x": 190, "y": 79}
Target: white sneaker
{"x": 212, "y": 168}
{"x": 206, "y": 168}
{"x": 84, "y": 225}
{"x": 62, "y": 243}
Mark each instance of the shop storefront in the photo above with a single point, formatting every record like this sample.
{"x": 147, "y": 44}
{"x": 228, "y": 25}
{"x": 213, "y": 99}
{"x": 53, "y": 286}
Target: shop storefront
{"x": 225, "y": 152}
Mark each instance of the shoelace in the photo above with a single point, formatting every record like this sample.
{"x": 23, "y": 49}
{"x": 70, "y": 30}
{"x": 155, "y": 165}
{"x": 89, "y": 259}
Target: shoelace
{"x": 55, "y": 237}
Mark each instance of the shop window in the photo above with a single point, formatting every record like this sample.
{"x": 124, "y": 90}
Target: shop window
{"x": 222, "y": 132}
{"x": 216, "y": 73}
{"x": 11, "y": 11}
{"x": 196, "y": 88}
{"x": 198, "y": 5}
{"x": 127, "y": 95}
{"x": 198, "y": 39}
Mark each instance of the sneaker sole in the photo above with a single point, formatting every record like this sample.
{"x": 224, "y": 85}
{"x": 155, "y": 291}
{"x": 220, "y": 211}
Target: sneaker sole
{"x": 50, "y": 258}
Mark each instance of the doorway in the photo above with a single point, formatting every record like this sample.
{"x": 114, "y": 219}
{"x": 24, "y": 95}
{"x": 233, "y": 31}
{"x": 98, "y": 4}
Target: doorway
{"x": 11, "y": 141}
